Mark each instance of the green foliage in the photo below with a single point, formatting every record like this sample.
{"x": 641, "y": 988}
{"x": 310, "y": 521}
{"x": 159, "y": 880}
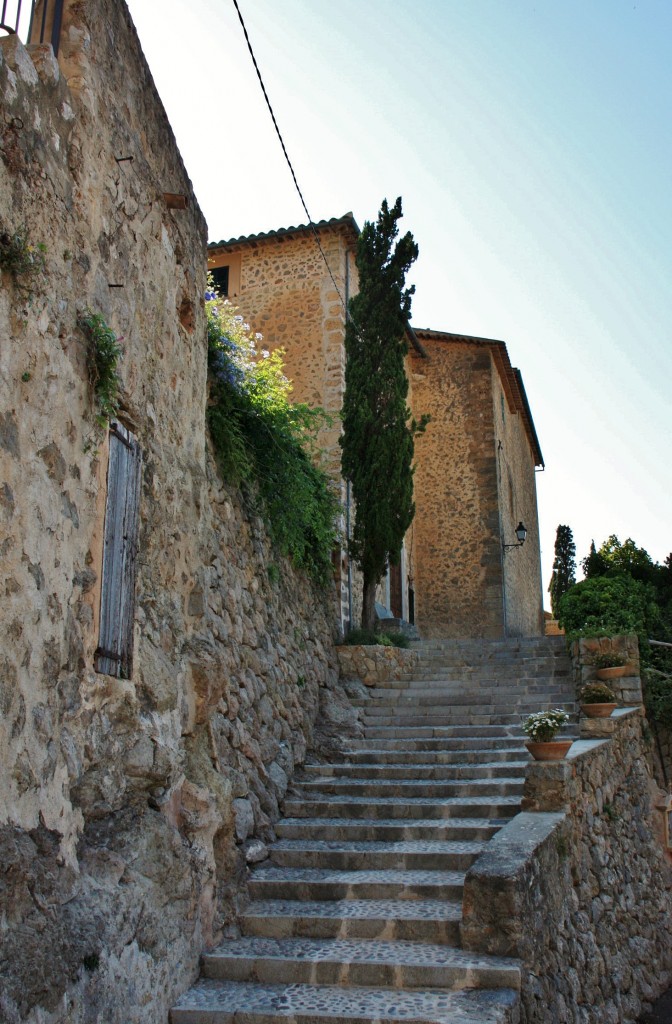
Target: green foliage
{"x": 367, "y": 637}
{"x": 608, "y": 660}
{"x": 20, "y": 258}
{"x": 103, "y": 356}
{"x": 378, "y": 432}
{"x": 596, "y": 693}
{"x": 564, "y": 567}
{"x": 614, "y": 557}
{"x": 657, "y": 686}
{"x": 606, "y": 606}
{"x": 261, "y": 438}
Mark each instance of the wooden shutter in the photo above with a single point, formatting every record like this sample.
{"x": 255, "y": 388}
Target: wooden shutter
{"x": 117, "y": 600}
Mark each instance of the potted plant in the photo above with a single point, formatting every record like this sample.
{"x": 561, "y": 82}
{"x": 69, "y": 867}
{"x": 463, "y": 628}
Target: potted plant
{"x": 542, "y": 727}
{"x": 611, "y": 666}
{"x": 597, "y": 700}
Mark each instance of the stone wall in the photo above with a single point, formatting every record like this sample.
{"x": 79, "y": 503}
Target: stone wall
{"x": 578, "y": 885}
{"x": 375, "y": 664}
{"x": 517, "y": 488}
{"x": 456, "y": 525}
{"x": 128, "y": 807}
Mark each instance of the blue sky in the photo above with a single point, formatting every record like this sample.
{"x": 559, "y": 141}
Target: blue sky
{"x": 530, "y": 141}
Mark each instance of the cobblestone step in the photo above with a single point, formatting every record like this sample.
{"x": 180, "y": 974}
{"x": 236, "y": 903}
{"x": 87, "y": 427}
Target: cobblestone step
{"x": 435, "y": 921}
{"x": 402, "y": 829}
{"x": 275, "y": 883}
{"x": 421, "y": 770}
{"x": 426, "y": 789}
{"x": 355, "y": 855}
{"x": 475, "y": 740}
{"x": 461, "y": 756}
{"x": 444, "y": 732}
{"x": 345, "y": 962}
{"x": 216, "y": 1002}
{"x": 349, "y": 806}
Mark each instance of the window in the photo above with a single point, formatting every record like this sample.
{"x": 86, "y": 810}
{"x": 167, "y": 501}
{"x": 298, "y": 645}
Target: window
{"x": 117, "y": 599}
{"x": 225, "y": 270}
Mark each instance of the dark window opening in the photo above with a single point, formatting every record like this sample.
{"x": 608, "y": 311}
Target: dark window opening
{"x": 220, "y": 277}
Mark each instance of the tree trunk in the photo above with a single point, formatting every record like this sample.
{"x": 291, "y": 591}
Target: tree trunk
{"x": 369, "y": 606}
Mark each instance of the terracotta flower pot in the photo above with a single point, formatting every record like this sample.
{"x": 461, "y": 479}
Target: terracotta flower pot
{"x": 551, "y": 750}
{"x": 615, "y": 672}
{"x": 597, "y": 710}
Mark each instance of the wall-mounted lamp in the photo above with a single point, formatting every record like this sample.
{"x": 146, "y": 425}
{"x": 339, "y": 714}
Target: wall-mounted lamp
{"x": 521, "y": 534}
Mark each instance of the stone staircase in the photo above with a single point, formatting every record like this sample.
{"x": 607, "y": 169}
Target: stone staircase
{"x": 356, "y": 915}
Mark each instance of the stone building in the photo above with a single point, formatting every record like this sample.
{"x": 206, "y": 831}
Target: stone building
{"x": 459, "y": 574}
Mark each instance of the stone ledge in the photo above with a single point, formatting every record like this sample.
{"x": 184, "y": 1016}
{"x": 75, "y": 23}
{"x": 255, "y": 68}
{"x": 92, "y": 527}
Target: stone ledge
{"x": 495, "y": 886}
{"x": 603, "y": 727}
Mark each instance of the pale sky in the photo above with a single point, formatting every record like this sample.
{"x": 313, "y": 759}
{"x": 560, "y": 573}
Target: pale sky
{"x": 530, "y": 142}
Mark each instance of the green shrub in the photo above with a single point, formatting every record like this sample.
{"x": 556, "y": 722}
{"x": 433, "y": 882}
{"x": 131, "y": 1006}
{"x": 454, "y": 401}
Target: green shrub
{"x": 607, "y": 606}
{"x": 366, "y": 637}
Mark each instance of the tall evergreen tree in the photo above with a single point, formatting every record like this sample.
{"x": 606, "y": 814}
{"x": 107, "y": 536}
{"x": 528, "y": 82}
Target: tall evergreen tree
{"x": 564, "y": 566}
{"x": 377, "y": 439}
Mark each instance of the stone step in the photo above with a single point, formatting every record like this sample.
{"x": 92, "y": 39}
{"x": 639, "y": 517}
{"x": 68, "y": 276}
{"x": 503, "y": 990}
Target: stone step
{"x": 213, "y": 1002}
{"x": 439, "y": 757}
{"x": 436, "y": 921}
{"x": 475, "y": 740}
{"x": 417, "y": 732}
{"x": 381, "y": 830}
{"x": 511, "y": 719}
{"x": 268, "y": 882}
{"x": 350, "y": 806}
{"x": 345, "y": 962}
{"x": 356, "y": 855}
{"x": 426, "y": 789}
{"x": 462, "y": 696}
{"x": 476, "y": 769}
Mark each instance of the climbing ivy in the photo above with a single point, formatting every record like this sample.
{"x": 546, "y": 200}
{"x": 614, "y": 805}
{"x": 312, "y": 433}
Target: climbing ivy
{"x": 262, "y": 439}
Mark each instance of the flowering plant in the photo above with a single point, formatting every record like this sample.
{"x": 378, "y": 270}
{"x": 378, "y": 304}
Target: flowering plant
{"x": 542, "y": 726}
{"x": 263, "y": 439}
{"x": 596, "y": 693}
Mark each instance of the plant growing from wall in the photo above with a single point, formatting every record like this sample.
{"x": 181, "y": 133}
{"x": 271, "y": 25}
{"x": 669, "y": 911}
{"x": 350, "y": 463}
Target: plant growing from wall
{"x": 378, "y": 433}
{"x": 104, "y": 353}
{"x": 261, "y": 438}
{"x": 564, "y": 567}
{"x": 21, "y": 258}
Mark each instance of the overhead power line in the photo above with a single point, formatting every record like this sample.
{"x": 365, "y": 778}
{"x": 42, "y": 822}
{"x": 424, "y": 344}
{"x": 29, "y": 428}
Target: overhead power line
{"x": 311, "y": 222}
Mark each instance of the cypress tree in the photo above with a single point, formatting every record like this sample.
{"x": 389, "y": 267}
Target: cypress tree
{"x": 377, "y": 439}
{"x": 564, "y": 567}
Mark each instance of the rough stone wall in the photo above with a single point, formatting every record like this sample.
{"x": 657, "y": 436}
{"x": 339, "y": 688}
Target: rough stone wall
{"x": 578, "y": 886}
{"x": 523, "y": 600}
{"x": 127, "y": 807}
{"x": 455, "y": 536}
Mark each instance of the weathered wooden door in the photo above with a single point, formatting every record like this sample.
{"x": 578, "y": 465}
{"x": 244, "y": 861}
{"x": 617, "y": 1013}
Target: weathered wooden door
{"x": 117, "y": 600}
{"x": 396, "y": 606}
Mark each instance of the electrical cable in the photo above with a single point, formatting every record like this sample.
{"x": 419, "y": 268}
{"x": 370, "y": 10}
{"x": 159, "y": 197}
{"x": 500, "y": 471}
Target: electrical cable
{"x": 311, "y": 222}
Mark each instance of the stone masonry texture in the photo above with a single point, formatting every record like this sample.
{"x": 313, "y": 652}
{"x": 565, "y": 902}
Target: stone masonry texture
{"x": 128, "y": 807}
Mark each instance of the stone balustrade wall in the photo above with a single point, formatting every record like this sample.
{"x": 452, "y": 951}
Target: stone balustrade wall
{"x": 578, "y": 885}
